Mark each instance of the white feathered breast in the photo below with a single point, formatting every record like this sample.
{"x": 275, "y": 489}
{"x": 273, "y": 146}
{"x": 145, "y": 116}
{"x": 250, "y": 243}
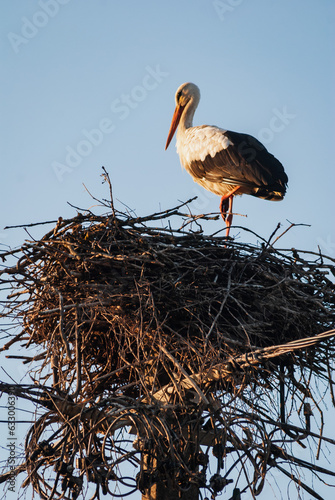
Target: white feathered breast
{"x": 198, "y": 142}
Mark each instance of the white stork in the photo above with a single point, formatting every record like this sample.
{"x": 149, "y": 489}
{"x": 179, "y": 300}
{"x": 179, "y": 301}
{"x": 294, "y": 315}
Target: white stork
{"x": 224, "y": 162}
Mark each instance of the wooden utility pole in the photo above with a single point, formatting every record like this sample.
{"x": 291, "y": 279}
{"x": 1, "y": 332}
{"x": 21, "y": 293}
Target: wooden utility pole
{"x": 165, "y": 491}
{"x": 165, "y": 487}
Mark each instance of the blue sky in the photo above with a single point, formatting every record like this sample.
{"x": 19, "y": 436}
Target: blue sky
{"x": 86, "y": 84}
{"x": 73, "y": 67}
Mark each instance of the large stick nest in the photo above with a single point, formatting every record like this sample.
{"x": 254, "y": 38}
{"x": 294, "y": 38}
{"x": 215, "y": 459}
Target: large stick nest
{"x": 126, "y": 312}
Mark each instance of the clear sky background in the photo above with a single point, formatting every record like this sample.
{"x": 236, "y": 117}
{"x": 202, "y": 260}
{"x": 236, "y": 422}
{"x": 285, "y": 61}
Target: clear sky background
{"x": 86, "y": 84}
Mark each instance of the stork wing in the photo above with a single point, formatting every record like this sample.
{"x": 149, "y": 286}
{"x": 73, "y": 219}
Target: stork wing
{"x": 237, "y": 159}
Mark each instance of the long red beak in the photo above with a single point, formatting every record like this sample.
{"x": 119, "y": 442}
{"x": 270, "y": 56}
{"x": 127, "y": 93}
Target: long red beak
{"x": 174, "y": 124}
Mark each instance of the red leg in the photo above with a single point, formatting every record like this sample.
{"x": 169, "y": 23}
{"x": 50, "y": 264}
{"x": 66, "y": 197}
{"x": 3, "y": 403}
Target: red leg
{"x": 229, "y": 218}
{"x": 224, "y": 204}
{"x": 226, "y": 208}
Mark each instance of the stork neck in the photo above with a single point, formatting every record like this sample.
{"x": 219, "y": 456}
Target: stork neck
{"x": 186, "y": 120}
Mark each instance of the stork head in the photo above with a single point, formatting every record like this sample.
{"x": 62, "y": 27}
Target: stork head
{"x": 187, "y": 92}
{"x": 187, "y": 96}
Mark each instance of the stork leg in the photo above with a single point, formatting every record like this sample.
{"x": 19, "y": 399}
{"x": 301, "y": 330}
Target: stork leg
{"x": 226, "y": 208}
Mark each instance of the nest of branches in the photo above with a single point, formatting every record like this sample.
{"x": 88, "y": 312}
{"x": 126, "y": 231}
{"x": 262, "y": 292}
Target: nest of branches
{"x": 187, "y": 339}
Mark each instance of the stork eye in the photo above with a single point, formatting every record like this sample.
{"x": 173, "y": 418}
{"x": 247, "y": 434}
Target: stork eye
{"x": 179, "y": 95}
